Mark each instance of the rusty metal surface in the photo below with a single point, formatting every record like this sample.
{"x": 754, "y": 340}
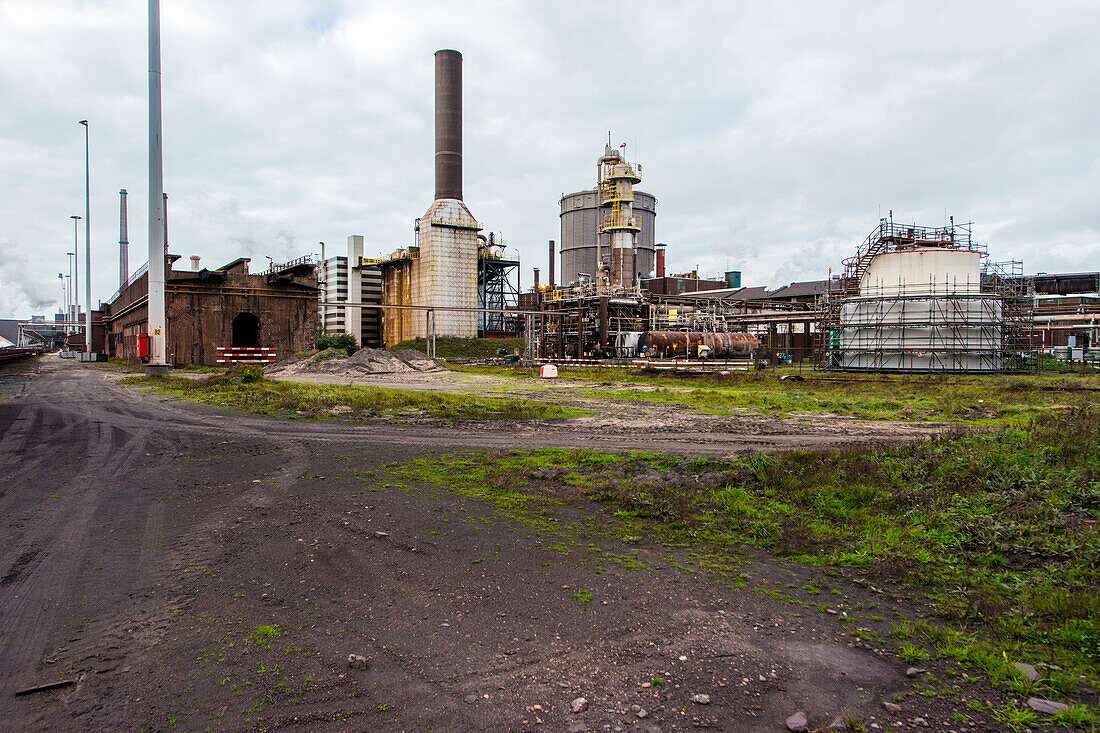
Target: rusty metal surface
{"x": 671, "y": 344}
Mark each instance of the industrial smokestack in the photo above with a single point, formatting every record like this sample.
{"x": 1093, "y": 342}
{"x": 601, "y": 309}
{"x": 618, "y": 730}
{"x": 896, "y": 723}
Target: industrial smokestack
{"x": 448, "y": 125}
{"x": 661, "y": 259}
{"x": 194, "y": 263}
{"x": 552, "y": 268}
{"x": 536, "y": 279}
{"x": 123, "y": 242}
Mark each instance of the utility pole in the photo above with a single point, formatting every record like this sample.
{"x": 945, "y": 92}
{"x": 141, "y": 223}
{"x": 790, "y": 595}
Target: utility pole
{"x": 123, "y": 242}
{"x": 87, "y": 249}
{"x": 76, "y": 276}
{"x": 158, "y": 356}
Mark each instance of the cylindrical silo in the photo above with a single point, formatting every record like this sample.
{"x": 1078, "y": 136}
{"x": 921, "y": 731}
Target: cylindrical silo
{"x": 580, "y": 238}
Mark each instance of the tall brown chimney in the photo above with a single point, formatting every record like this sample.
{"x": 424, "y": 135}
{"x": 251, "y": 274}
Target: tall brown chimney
{"x": 551, "y": 278}
{"x": 448, "y": 125}
{"x": 536, "y": 279}
{"x": 660, "y": 260}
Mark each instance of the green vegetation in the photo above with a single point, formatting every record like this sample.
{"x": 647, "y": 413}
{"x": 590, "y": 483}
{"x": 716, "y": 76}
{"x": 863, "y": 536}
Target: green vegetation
{"x": 976, "y": 399}
{"x": 1013, "y": 716}
{"x": 245, "y": 388}
{"x": 342, "y": 342}
{"x": 1000, "y": 530}
{"x": 583, "y": 597}
{"x": 450, "y": 347}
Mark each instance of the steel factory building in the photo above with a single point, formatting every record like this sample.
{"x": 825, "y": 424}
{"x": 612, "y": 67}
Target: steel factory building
{"x": 208, "y": 310}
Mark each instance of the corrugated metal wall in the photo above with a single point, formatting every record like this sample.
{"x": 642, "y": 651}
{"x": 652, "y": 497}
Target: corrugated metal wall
{"x": 580, "y": 216}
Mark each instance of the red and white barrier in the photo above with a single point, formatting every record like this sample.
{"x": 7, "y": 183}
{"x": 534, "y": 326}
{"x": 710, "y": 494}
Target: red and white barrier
{"x": 570, "y": 361}
{"x": 246, "y": 355}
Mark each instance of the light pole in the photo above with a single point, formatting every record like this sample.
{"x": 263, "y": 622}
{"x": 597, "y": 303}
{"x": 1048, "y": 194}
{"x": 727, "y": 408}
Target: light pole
{"x": 69, "y": 289}
{"x": 87, "y": 247}
{"x": 75, "y": 300}
{"x": 158, "y": 356}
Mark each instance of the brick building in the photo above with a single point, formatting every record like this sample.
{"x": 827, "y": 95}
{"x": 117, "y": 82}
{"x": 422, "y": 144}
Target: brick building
{"x": 207, "y": 309}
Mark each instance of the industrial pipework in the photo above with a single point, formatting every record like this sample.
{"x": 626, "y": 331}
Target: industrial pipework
{"x": 616, "y": 179}
{"x": 693, "y": 344}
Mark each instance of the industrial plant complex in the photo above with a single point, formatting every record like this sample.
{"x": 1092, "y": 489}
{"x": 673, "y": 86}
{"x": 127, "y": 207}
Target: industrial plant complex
{"x": 420, "y": 476}
{"x": 910, "y": 298}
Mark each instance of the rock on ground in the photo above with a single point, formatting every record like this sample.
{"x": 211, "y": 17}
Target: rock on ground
{"x": 1027, "y": 670}
{"x": 798, "y": 722}
{"x": 1046, "y": 706}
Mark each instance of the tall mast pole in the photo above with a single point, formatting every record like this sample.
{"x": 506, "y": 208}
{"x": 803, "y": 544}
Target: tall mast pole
{"x": 123, "y": 242}
{"x": 158, "y": 356}
{"x": 87, "y": 246}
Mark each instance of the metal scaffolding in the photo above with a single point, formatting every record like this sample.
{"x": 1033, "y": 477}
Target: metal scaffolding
{"x": 497, "y": 290}
{"x": 939, "y": 326}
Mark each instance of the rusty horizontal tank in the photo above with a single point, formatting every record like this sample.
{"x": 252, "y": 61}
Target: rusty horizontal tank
{"x": 671, "y": 344}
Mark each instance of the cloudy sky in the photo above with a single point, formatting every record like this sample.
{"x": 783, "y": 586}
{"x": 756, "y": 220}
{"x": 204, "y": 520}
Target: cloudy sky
{"x": 773, "y": 134}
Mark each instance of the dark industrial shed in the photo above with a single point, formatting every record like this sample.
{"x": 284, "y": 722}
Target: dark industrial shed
{"x": 227, "y": 307}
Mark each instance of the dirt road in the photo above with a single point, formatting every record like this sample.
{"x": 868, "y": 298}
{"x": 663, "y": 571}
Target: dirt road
{"x": 181, "y": 567}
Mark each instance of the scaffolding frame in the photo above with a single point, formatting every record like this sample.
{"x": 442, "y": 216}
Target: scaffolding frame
{"x": 934, "y": 327}
{"x": 497, "y": 291}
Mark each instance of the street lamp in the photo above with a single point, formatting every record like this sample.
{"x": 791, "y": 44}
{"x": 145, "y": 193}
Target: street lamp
{"x": 68, "y": 289}
{"x": 75, "y": 299}
{"x": 87, "y": 246}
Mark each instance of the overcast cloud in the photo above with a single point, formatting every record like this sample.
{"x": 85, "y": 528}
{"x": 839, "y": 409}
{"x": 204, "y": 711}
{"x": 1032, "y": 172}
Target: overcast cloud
{"x": 773, "y": 134}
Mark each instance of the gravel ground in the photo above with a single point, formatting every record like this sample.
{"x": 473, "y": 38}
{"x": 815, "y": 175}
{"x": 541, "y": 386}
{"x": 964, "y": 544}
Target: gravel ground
{"x": 184, "y": 568}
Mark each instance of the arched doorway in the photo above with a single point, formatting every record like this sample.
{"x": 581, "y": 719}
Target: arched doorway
{"x": 246, "y": 330}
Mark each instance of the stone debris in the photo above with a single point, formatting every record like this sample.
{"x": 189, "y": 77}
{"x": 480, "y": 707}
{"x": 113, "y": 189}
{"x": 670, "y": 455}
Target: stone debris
{"x": 798, "y": 722}
{"x": 891, "y": 707}
{"x": 1048, "y": 707}
{"x": 471, "y": 699}
{"x": 579, "y": 705}
{"x": 701, "y": 699}
{"x": 914, "y": 671}
{"x": 1027, "y": 670}
{"x": 364, "y": 361}
{"x": 357, "y": 661}
{"x": 921, "y": 722}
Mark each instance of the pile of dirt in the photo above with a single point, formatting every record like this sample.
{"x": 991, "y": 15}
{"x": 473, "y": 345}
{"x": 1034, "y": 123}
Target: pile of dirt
{"x": 364, "y": 361}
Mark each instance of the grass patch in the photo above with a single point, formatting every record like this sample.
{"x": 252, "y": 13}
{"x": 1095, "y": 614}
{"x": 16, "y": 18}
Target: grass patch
{"x": 992, "y": 400}
{"x": 999, "y": 530}
{"x": 246, "y": 389}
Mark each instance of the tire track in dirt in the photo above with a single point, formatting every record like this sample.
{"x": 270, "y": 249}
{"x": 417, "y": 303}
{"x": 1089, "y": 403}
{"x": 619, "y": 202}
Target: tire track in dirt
{"x": 16, "y": 436}
{"x": 28, "y": 606}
